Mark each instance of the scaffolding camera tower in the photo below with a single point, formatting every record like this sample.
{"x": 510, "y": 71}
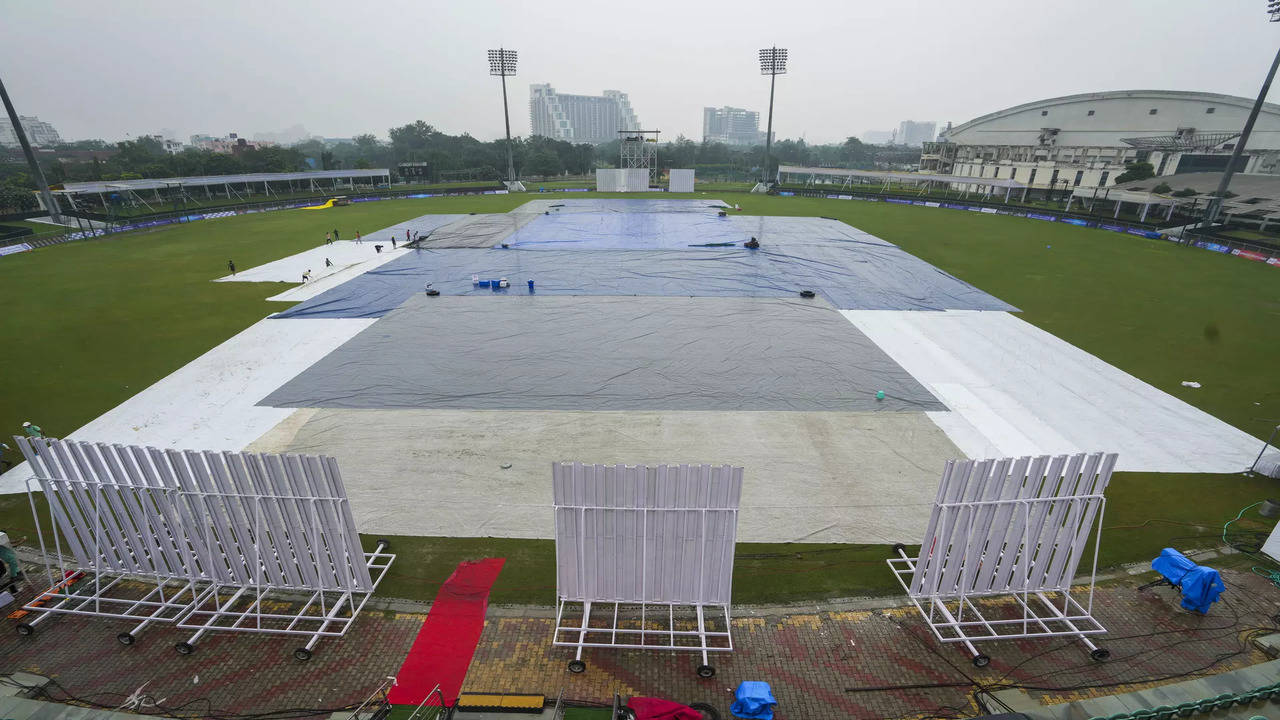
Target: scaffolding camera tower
{"x": 640, "y": 150}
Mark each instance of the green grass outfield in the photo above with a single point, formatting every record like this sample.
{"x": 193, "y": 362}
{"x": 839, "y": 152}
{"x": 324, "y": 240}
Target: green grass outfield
{"x": 90, "y": 324}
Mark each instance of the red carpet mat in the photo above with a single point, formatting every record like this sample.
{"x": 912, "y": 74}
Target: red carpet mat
{"x": 442, "y": 651}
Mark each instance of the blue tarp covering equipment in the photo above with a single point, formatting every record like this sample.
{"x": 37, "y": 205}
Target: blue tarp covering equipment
{"x": 1200, "y": 585}
{"x": 753, "y": 700}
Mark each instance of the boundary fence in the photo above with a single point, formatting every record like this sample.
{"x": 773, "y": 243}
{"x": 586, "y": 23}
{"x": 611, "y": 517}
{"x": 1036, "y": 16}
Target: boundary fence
{"x": 1194, "y": 237}
{"x": 1205, "y": 240}
{"x": 114, "y": 226}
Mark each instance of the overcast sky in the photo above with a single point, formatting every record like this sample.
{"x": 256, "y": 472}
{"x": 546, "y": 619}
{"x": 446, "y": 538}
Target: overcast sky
{"x": 109, "y": 70}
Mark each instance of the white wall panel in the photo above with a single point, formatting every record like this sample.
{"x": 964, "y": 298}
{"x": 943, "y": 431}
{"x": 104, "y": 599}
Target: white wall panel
{"x": 242, "y": 519}
{"x": 659, "y": 534}
{"x": 1010, "y": 525}
{"x": 680, "y": 181}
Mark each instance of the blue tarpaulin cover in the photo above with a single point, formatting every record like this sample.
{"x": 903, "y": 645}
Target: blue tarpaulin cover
{"x": 851, "y": 275}
{"x": 753, "y": 700}
{"x": 1200, "y": 585}
{"x": 647, "y": 248}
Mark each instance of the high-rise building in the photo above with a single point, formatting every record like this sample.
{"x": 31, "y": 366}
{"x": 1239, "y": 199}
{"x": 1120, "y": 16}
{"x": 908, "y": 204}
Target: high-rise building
{"x": 915, "y": 134}
{"x": 731, "y": 125}
{"x": 590, "y": 119}
{"x": 38, "y": 132}
{"x": 877, "y": 137}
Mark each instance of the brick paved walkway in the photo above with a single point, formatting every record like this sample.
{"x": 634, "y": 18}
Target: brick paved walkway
{"x": 228, "y": 672}
{"x": 811, "y": 659}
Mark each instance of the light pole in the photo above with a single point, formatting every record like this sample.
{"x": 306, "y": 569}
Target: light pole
{"x": 773, "y": 62}
{"x": 1214, "y": 204}
{"x": 36, "y": 173}
{"x": 503, "y": 63}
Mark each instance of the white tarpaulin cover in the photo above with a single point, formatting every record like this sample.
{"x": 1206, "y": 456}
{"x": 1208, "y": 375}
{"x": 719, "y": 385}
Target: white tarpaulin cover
{"x": 211, "y": 401}
{"x": 1014, "y": 390}
{"x": 345, "y": 256}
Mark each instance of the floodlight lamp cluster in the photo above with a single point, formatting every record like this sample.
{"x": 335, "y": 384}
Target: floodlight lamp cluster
{"x": 502, "y": 62}
{"x": 773, "y": 61}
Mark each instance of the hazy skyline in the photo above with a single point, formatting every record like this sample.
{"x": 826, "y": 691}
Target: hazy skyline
{"x": 341, "y": 69}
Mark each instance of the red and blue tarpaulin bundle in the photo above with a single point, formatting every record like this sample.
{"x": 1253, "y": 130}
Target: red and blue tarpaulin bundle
{"x": 1200, "y": 585}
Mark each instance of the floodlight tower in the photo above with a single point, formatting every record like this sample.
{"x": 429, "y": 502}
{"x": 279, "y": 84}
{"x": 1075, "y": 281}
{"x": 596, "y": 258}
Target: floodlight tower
{"x": 773, "y": 62}
{"x": 503, "y": 64}
{"x": 1214, "y": 205}
{"x": 37, "y": 174}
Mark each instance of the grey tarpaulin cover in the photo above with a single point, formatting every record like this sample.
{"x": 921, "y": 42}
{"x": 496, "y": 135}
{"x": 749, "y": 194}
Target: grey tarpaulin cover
{"x": 420, "y": 226}
{"x": 476, "y": 231}
{"x": 566, "y": 353}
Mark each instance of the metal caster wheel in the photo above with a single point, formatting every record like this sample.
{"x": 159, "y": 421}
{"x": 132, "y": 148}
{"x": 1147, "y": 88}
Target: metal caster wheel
{"x": 302, "y": 654}
{"x": 25, "y": 629}
{"x": 1100, "y": 654}
{"x": 184, "y": 648}
{"x": 981, "y": 661}
{"x": 706, "y": 671}
{"x": 898, "y": 547}
{"x": 577, "y": 666}
{"x": 126, "y": 638}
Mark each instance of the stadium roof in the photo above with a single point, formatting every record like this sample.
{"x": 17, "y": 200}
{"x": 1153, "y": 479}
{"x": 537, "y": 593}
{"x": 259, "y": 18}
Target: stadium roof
{"x": 1118, "y": 194}
{"x": 903, "y": 177}
{"x": 1241, "y": 102}
{"x": 98, "y": 186}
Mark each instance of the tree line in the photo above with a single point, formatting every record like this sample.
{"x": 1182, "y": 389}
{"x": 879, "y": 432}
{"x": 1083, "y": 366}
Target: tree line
{"x": 447, "y": 158}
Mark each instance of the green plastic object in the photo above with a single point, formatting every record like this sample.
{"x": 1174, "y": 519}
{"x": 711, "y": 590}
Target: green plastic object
{"x": 11, "y": 562}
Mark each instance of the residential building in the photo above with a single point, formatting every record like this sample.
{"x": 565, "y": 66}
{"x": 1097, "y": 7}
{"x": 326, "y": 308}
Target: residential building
{"x": 590, "y": 119}
{"x": 1087, "y": 140}
{"x": 171, "y": 145}
{"x": 39, "y": 132}
{"x": 732, "y": 126}
{"x": 233, "y": 143}
{"x": 915, "y": 134}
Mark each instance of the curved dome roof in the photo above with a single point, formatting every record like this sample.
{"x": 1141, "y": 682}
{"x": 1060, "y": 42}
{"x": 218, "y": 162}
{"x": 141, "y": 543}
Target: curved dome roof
{"x": 1103, "y": 118}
